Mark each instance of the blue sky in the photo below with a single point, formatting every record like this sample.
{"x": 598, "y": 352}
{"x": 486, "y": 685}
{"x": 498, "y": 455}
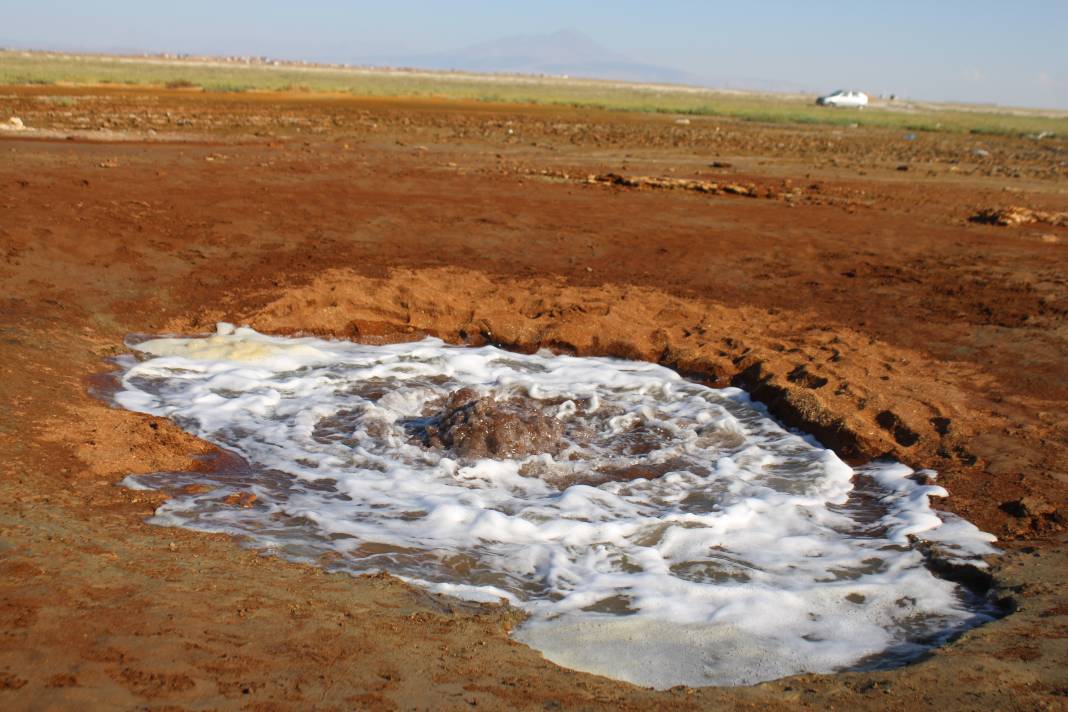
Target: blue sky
{"x": 1008, "y": 53}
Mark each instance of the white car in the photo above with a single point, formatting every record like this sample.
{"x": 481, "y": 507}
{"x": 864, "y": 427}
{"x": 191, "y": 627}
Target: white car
{"x": 857, "y": 99}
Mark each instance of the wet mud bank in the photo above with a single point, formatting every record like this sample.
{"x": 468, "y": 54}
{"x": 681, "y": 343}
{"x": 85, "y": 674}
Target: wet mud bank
{"x": 829, "y": 384}
{"x": 639, "y": 325}
{"x": 863, "y": 399}
{"x": 596, "y": 493}
{"x": 466, "y": 308}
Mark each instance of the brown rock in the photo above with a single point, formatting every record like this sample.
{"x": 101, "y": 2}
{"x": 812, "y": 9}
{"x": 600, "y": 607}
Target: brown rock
{"x": 245, "y": 500}
{"x": 1017, "y": 215}
{"x": 1029, "y": 506}
{"x": 473, "y": 426}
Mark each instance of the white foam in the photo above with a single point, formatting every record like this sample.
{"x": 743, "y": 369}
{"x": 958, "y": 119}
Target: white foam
{"x": 757, "y": 555}
{"x": 249, "y": 346}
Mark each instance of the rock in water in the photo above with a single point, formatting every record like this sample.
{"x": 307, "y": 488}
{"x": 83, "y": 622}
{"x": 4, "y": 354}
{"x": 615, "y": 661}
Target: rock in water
{"x": 473, "y": 426}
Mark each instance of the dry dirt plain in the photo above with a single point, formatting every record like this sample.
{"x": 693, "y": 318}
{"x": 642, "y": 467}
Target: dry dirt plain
{"x": 832, "y": 271}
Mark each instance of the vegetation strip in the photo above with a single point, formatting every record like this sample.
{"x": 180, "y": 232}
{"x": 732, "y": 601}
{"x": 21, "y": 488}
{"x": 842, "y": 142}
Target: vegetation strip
{"x": 231, "y": 76}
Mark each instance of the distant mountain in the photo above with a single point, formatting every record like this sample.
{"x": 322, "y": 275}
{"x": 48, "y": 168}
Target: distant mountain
{"x": 69, "y": 47}
{"x": 566, "y": 52}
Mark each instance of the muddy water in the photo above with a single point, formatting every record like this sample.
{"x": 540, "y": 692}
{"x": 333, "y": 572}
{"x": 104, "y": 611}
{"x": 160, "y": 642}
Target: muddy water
{"x": 656, "y": 530}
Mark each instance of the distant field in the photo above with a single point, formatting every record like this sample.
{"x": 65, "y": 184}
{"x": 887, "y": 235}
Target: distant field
{"x": 46, "y": 68}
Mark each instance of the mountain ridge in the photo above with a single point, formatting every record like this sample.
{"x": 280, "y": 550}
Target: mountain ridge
{"x": 561, "y": 53}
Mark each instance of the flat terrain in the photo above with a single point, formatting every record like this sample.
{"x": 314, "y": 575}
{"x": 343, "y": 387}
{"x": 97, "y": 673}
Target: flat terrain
{"x": 833, "y": 271}
{"x": 235, "y": 75}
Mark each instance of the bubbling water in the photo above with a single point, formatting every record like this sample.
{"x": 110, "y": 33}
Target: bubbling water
{"x": 666, "y": 533}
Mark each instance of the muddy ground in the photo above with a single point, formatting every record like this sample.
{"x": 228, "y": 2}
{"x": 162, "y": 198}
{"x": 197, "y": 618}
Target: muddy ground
{"x": 834, "y": 272}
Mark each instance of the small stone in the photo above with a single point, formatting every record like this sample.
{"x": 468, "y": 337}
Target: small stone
{"x": 245, "y": 500}
{"x": 1029, "y": 506}
{"x": 738, "y": 190}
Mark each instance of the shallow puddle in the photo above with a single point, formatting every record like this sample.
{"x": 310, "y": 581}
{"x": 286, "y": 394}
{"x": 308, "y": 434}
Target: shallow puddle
{"x": 666, "y": 533}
